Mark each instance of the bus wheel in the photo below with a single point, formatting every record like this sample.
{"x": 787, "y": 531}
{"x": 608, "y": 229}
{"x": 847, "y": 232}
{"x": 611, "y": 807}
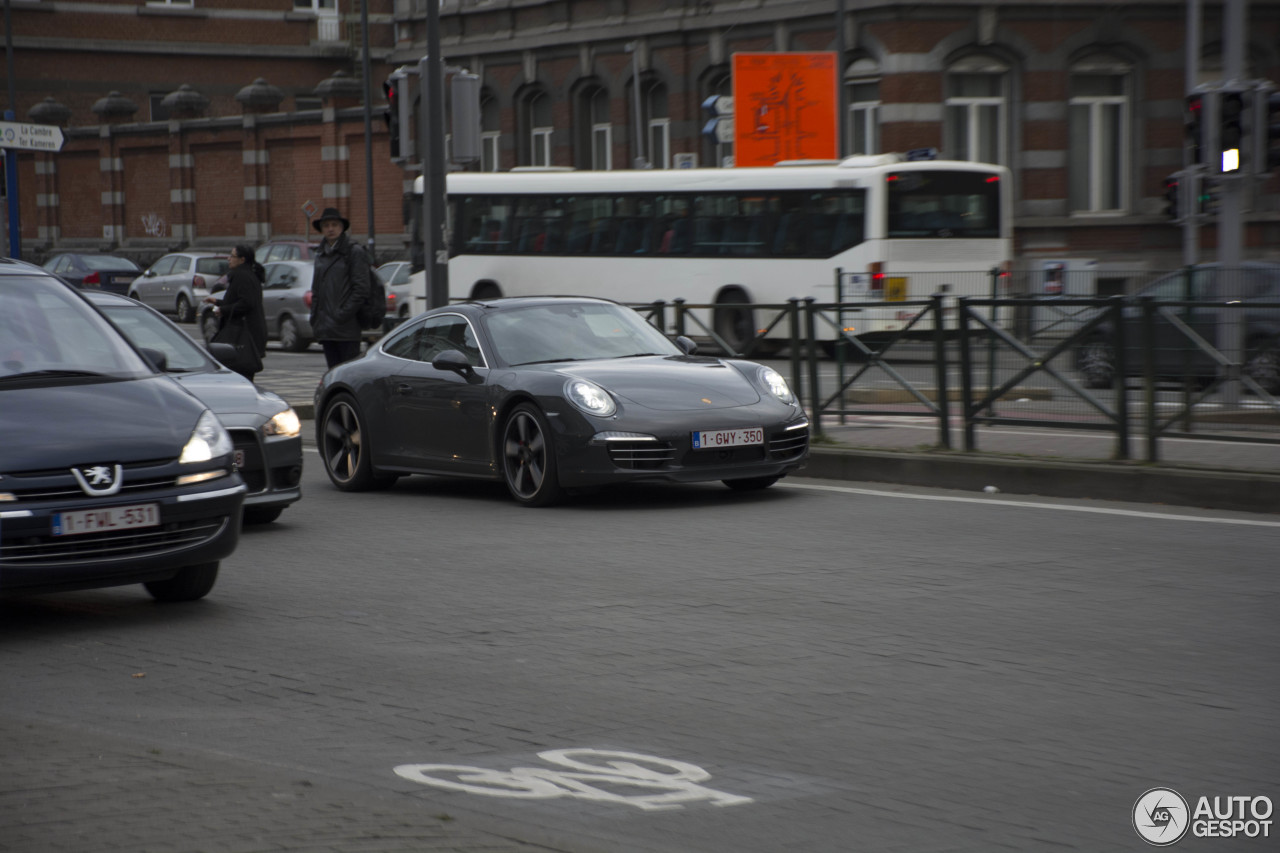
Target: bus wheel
{"x": 734, "y": 321}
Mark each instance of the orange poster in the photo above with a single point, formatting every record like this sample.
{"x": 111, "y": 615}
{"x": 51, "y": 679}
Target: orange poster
{"x": 784, "y": 107}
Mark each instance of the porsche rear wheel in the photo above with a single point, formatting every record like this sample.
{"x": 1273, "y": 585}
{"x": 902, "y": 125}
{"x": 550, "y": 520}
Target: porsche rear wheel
{"x": 345, "y": 449}
{"x": 528, "y": 458}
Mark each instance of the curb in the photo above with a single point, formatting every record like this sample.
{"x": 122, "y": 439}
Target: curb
{"x": 1132, "y": 482}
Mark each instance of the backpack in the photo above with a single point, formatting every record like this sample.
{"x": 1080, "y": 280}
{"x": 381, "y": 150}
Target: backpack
{"x": 374, "y": 309}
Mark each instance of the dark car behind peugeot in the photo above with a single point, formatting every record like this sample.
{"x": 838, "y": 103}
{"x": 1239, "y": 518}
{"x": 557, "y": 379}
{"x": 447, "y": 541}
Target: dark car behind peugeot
{"x": 110, "y": 472}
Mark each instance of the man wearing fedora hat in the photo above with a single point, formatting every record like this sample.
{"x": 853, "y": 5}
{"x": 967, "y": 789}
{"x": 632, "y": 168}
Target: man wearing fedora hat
{"x": 339, "y": 287}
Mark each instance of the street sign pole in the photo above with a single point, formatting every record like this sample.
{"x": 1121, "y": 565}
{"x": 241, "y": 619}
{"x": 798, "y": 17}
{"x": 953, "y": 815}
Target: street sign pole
{"x": 11, "y": 187}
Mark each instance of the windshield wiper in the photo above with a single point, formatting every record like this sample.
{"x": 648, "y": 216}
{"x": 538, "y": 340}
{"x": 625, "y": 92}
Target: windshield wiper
{"x": 30, "y": 374}
{"x": 641, "y": 354}
{"x": 548, "y": 361}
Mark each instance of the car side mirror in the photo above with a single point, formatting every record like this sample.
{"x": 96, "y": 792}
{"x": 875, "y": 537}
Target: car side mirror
{"x": 224, "y": 353}
{"x": 157, "y": 358}
{"x": 453, "y": 360}
{"x": 687, "y": 345}
{"x": 149, "y": 274}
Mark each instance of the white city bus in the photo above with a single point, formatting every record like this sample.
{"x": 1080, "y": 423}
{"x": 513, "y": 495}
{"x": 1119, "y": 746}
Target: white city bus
{"x": 896, "y": 230}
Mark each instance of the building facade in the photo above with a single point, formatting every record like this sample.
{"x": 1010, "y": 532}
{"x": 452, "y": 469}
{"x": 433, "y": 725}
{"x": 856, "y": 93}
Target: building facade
{"x": 1083, "y": 101}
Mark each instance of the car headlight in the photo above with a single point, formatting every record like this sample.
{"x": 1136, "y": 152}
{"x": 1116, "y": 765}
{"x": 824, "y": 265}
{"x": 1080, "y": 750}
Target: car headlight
{"x": 778, "y": 386}
{"x": 209, "y": 440}
{"x": 284, "y": 423}
{"x": 590, "y": 397}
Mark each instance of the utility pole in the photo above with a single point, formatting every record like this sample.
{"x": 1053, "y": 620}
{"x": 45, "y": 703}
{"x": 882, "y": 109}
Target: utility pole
{"x": 431, "y": 131}
{"x": 366, "y": 72}
{"x": 1189, "y": 195}
{"x": 1230, "y": 225}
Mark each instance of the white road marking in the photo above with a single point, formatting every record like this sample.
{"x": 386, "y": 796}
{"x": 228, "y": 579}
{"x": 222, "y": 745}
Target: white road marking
{"x": 1131, "y": 513}
{"x": 675, "y": 781}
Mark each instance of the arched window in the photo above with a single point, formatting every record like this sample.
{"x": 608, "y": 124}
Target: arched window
{"x": 977, "y": 109}
{"x": 535, "y": 128}
{"x": 653, "y": 96}
{"x": 862, "y": 94}
{"x": 1099, "y": 120}
{"x": 594, "y": 132}
{"x": 490, "y": 132}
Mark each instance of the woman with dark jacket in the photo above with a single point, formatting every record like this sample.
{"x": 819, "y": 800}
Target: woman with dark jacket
{"x": 241, "y": 303}
{"x": 339, "y": 286}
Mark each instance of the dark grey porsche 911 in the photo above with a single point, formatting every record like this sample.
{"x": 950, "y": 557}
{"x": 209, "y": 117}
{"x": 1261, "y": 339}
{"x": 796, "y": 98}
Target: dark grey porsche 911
{"x": 549, "y": 394}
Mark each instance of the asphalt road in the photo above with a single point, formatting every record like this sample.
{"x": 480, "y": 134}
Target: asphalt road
{"x": 824, "y": 666}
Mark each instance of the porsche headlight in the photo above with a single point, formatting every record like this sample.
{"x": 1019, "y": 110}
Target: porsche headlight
{"x": 209, "y": 440}
{"x": 778, "y": 386}
{"x": 590, "y": 397}
{"x": 284, "y": 423}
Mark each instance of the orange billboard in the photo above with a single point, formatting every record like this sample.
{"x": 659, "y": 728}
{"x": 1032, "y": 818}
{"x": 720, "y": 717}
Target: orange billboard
{"x": 784, "y": 107}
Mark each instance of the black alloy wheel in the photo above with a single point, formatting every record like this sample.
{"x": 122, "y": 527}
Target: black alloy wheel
{"x": 528, "y": 458}
{"x": 734, "y": 322}
{"x": 345, "y": 449}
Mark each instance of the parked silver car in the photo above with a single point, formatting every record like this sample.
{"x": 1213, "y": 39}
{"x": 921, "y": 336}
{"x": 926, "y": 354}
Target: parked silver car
{"x": 395, "y": 276}
{"x": 177, "y": 283}
{"x": 286, "y": 300}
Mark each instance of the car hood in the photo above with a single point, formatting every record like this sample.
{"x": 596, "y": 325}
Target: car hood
{"x": 56, "y": 426}
{"x": 231, "y": 396}
{"x": 670, "y": 384}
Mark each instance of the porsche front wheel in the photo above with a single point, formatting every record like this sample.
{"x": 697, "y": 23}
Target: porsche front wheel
{"x": 528, "y": 458}
{"x": 345, "y": 448}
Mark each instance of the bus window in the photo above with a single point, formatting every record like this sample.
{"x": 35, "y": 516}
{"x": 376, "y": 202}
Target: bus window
{"x": 943, "y": 204}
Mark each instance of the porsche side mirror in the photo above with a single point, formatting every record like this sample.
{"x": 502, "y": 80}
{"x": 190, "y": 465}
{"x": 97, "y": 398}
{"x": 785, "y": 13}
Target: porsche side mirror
{"x": 453, "y": 360}
{"x": 687, "y": 344}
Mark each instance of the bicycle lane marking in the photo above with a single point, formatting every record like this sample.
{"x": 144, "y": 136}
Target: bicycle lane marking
{"x": 620, "y": 769}
{"x": 1131, "y": 513}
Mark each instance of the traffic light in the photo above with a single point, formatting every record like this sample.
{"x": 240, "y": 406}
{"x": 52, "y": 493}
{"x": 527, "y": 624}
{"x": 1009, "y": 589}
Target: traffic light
{"x": 1231, "y": 112}
{"x": 1268, "y": 155}
{"x": 391, "y": 115}
{"x": 1194, "y": 128}
{"x": 1210, "y": 198}
{"x": 1171, "y": 197}
{"x": 399, "y": 116}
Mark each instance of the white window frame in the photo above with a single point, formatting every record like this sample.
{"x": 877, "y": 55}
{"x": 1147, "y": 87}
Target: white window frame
{"x": 318, "y": 7}
{"x": 602, "y": 140}
{"x": 540, "y": 146}
{"x": 660, "y": 132}
{"x": 975, "y": 108}
{"x": 1095, "y": 179}
{"x": 489, "y": 150}
{"x": 862, "y": 72}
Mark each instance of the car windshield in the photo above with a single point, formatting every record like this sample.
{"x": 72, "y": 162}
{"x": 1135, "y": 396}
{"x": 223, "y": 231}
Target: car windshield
{"x": 151, "y": 331}
{"x": 575, "y": 331}
{"x": 47, "y": 329}
{"x": 108, "y": 263}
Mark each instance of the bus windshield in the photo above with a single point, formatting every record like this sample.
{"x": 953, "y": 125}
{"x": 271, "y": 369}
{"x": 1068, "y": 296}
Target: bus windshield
{"x": 942, "y": 204}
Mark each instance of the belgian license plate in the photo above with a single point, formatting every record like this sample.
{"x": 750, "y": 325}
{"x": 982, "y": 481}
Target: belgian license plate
{"x": 715, "y": 438}
{"x": 101, "y": 520}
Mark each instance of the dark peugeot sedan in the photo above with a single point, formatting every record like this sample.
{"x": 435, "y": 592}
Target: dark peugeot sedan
{"x": 110, "y": 472}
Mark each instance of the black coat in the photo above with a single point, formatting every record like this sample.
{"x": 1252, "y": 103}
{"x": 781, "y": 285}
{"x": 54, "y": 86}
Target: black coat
{"x": 339, "y": 287}
{"x": 242, "y": 301}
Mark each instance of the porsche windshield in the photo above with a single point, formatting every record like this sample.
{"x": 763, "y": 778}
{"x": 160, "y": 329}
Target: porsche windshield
{"x": 46, "y": 329}
{"x": 575, "y": 332}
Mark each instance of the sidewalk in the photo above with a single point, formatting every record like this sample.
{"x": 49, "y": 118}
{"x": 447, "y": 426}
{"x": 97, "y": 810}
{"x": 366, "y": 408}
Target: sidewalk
{"x": 1053, "y": 462}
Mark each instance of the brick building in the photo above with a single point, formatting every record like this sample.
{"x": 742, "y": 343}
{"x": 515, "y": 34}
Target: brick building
{"x": 1082, "y": 100}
